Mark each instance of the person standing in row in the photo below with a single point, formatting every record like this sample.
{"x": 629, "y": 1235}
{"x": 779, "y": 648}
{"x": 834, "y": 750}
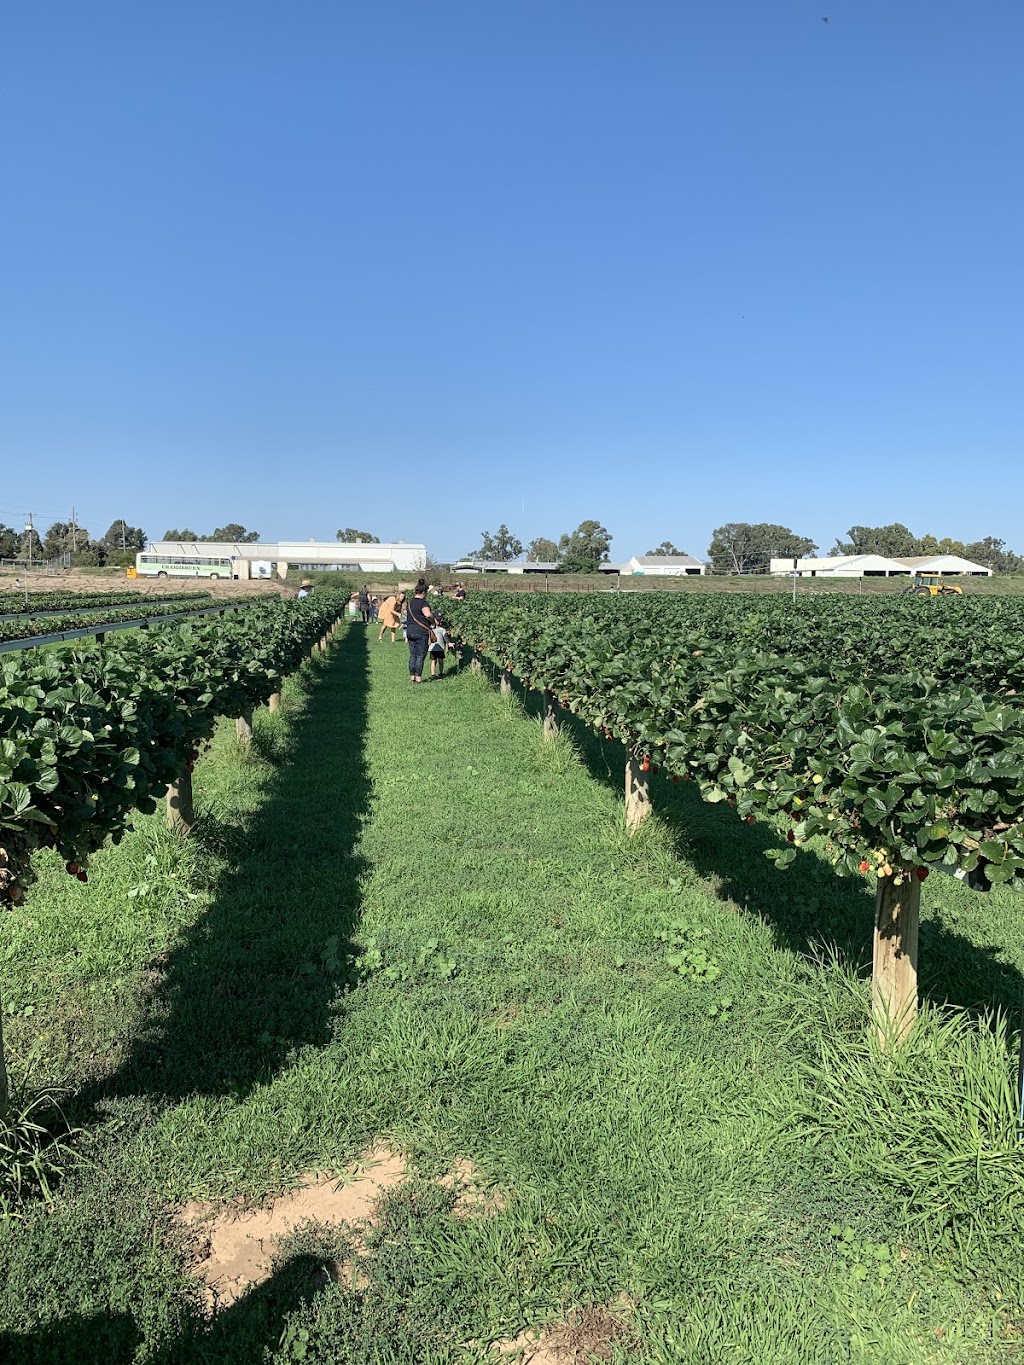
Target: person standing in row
{"x": 391, "y": 615}
{"x": 419, "y": 630}
{"x": 364, "y": 604}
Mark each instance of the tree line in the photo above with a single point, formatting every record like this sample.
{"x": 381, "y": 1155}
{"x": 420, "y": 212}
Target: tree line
{"x": 118, "y": 545}
{"x": 743, "y": 547}
{"x": 581, "y": 551}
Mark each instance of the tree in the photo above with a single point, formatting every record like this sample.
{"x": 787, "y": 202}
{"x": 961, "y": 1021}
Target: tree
{"x": 666, "y": 548}
{"x": 350, "y": 536}
{"x": 121, "y": 536}
{"x": 62, "y": 537}
{"x": 992, "y": 552}
{"x": 542, "y": 550}
{"x": 232, "y": 531}
{"x": 585, "y": 549}
{"x": 180, "y": 535}
{"x": 500, "y": 547}
{"x": 8, "y": 542}
{"x": 894, "y": 542}
{"x": 30, "y": 546}
{"x": 745, "y": 547}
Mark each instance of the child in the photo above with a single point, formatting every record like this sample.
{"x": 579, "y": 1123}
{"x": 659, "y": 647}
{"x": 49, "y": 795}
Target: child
{"x": 438, "y": 649}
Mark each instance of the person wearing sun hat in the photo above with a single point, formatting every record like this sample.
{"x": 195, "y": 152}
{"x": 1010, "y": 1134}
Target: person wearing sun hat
{"x": 305, "y": 588}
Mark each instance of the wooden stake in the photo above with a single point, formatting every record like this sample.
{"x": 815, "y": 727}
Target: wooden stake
{"x": 180, "y": 812}
{"x": 274, "y": 701}
{"x": 550, "y": 716}
{"x": 243, "y": 728}
{"x": 5, "y": 1090}
{"x": 505, "y": 686}
{"x": 475, "y": 664}
{"x": 638, "y": 795}
{"x": 894, "y": 966}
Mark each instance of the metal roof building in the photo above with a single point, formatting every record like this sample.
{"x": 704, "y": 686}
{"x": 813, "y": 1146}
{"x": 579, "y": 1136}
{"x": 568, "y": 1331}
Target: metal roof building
{"x": 304, "y": 555}
{"x": 877, "y": 566}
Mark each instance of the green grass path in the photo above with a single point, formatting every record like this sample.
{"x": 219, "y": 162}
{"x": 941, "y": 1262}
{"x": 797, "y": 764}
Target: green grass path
{"x": 406, "y": 917}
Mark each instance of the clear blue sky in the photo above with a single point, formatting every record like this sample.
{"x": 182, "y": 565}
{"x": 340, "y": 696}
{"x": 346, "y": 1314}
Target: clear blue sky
{"x": 425, "y": 267}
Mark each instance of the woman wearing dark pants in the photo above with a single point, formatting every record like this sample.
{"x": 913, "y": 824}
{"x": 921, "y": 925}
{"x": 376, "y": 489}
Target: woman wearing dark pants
{"x": 364, "y": 604}
{"x": 417, "y": 629}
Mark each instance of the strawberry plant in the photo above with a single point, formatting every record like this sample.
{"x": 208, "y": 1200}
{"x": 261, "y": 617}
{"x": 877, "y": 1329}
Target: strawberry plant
{"x": 891, "y": 733}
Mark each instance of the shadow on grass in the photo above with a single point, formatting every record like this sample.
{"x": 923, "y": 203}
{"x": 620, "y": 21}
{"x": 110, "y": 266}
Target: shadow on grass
{"x": 808, "y": 904}
{"x": 249, "y": 983}
{"x": 238, "y": 1335}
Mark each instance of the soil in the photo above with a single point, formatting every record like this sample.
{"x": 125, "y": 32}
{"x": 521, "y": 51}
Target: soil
{"x": 235, "y": 1245}
{"x": 149, "y": 587}
{"x": 588, "y": 1335}
{"x": 476, "y": 1197}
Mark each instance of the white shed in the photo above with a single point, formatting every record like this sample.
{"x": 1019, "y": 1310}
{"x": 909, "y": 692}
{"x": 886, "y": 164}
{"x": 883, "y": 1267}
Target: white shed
{"x": 668, "y": 566}
{"x": 843, "y": 566}
{"x": 946, "y": 564}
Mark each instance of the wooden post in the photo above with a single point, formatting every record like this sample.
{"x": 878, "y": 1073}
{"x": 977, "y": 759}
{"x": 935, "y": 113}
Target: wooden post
{"x": 243, "y": 728}
{"x": 180, "y": 812}
{"x": 894, "y": 965}
{"x": 638, "y": 796}
{"x": 475, "y": 664}
{"x": 5, "y": 1089}
{"x": 274, "y": 701}
{"x": 550, "y": 715}
{"x": 505, "y": 685}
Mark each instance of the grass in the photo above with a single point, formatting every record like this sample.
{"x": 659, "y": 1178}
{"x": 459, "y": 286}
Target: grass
{"x": 404, "y": 916}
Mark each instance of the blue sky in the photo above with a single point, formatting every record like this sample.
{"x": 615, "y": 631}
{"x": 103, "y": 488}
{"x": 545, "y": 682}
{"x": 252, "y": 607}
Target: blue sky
{"x": 423, "y": 268}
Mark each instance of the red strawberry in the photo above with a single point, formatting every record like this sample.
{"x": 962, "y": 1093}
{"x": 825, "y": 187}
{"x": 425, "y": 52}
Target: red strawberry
{"x": 750, "y": 819}
{"x": 863, "y": 865}
{"x": 920, "y": 873}
{"x": 72, "y": 868}
{"x": 791, "y": 837}
{"x": 82, "y": 876}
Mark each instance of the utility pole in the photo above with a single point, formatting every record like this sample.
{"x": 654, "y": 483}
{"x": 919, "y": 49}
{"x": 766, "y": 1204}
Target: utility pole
{"x": 123, "y": 546}
{"x": 31, "y": 532}
{"x": 74, "y": 533}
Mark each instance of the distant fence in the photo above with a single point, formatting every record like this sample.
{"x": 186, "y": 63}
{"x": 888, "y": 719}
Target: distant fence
{"x": 33, "y": 566}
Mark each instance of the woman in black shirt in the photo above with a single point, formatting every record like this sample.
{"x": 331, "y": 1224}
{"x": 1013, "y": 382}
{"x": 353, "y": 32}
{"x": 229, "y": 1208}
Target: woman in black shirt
{"x": 418, "y": 630}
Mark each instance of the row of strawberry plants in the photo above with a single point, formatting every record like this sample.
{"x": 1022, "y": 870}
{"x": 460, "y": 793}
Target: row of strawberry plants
{"x": 90, "y": 734}
{"x": 901, "y": 772}
{"x": 71, "y": 601}
{"x": 27, "y": 627}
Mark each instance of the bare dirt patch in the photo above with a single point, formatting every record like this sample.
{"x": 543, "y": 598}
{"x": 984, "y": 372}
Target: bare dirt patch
{"x": 587, "y": 1335}
{"x": 475, "y": 1197}
{"x": 150, "y": 587}
{"x": 235, "y": 1245}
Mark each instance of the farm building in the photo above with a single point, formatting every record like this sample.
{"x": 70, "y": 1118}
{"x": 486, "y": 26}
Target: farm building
{"x": 666, "y": 566}
{"x": 877, "y": 566}
{"x": 302, "y": 555}
{"x": 465, "y": 566}
{"x": 946, "y": 564}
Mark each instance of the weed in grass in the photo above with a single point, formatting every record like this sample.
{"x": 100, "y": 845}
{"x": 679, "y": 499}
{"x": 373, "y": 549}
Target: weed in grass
{"x": 35, "y": 1147}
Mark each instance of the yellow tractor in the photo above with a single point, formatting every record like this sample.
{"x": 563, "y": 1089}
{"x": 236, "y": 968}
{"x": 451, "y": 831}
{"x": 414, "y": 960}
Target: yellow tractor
{"x": 931, "y": 585}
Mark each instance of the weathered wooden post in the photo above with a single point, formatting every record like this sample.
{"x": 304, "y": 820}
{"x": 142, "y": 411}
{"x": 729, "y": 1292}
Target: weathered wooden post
{"x": 505, "y": 685}
{"x": 243, "y": 728}
{"x": 274, "y": 701}
{"x": 894, "y": 960}
{"x": 180, "y": 811}
{"x": 475, "y": 663}
{"x": 638, "y": 795}
{"x": 550, "y": 715}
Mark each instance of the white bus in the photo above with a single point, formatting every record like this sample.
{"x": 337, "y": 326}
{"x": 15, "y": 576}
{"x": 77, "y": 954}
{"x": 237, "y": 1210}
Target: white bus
{"x": 183, "y": 566}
